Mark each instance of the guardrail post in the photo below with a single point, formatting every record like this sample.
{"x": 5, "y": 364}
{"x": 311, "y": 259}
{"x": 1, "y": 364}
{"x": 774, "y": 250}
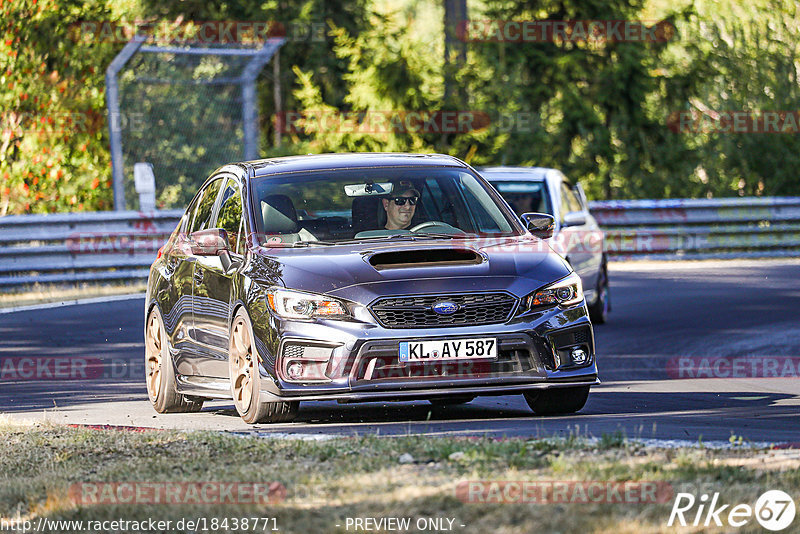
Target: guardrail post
{"x": 249, "y": 102}
{"x": 114, "y": 119}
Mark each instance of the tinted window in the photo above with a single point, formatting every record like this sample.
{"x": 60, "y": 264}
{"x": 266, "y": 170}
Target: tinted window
{"x": 201, "y": 219}
{"x": 485, "y": 212}
{"x": 569, "y": 202}
{"x": 525, "y": 197}
{"x": 188, "y": 217}
{"x": 337, "y": 205}
{"x": 230, "y": 214}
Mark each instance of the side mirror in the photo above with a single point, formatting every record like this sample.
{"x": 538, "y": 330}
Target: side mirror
{"x": 209, "y": 242}
{"x": 574, "y": 218}
{"x": 541, "y": 225}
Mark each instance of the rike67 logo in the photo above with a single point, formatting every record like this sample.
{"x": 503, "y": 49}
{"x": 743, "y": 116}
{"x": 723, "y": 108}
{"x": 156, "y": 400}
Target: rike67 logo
{"x": 774, "y": 510}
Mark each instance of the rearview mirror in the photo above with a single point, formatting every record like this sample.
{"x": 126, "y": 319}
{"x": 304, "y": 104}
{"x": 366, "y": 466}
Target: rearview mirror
{"x": 209, "y": 242}
{"x": 541, "y": 225}
{"x": 366, "y": 190}
{"x": 574, "y": 218}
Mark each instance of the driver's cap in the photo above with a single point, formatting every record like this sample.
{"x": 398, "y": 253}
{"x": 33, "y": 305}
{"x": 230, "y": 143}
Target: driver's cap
{"x": 403, "y": 186}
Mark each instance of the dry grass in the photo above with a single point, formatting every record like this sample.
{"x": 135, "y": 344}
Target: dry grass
{"x": 329, "y": 481}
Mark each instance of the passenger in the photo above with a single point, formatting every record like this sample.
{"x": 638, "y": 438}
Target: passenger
{"x": 400, "y": 207}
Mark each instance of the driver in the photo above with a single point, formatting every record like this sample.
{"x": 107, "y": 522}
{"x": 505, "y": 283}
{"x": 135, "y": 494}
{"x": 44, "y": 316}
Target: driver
{"x": 401, "y": 205}
{"x": 521, "y": 203}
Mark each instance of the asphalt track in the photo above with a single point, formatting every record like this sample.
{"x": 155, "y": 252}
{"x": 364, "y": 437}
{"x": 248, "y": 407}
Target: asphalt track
{"x": 694, "y": 351}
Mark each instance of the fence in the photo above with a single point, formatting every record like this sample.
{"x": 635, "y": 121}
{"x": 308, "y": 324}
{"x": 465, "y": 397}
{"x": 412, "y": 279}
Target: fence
{"x": 81, "y": 247}
{"x": 120, "y": 246}
{"x": 183, "y": 109}
{"x": 699, "y": 228}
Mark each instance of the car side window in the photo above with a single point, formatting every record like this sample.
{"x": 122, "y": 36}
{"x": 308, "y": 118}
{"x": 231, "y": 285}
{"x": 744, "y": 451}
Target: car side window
{"x": 581, "y": 196}
{"x": 569, "y": 202}
{"x": 201, "y": 218}
{"x": 188, "y": 217}
{"x": 230, "y": 215}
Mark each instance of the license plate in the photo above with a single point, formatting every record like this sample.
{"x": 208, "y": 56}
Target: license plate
{"x": 450, "y": 349}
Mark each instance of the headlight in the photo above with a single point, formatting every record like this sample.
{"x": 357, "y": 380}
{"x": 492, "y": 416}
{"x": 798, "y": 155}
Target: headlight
{"x": 565, "y": 292}
{"x": 289, "y": 304}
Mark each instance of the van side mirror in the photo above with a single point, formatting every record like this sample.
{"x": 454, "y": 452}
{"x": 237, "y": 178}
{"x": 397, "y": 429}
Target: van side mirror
{"x": 574, "y": 218}
{"x": 541, "y": 225}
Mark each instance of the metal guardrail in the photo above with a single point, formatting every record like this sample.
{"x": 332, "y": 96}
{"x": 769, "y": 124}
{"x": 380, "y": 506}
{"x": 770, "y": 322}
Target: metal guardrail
{"x": 73, "y": 248}
{"x": 699, "y": 228}
{"x": 120, "y": 246}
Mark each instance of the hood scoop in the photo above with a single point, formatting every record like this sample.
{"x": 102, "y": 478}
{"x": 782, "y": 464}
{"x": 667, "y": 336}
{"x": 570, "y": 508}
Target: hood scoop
{"x": 436, "y": 257}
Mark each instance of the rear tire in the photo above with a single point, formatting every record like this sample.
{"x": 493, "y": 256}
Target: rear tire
{"x": 598, "y": 312}
{"x": 557, "y": 400}
{"x": 159, "y": 370}
{"x": 452, "y": 401}
{"x": 245, "y": 377}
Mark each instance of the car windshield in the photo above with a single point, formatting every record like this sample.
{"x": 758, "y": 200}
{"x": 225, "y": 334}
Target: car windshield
{"x": 336, "y": 206}
{"x": 525, "y": 197}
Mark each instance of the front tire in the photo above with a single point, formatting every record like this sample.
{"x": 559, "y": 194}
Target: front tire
{"x": 558, "y": 400}
{"x": 161, "y": 385}
{"x": 246, "y": 378}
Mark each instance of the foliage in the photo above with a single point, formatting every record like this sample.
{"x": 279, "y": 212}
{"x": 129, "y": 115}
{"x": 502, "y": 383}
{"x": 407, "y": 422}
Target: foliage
{"x": 750, "y": 66}
{"x": 53, "y": 145}
{"x": 604, "y": 112}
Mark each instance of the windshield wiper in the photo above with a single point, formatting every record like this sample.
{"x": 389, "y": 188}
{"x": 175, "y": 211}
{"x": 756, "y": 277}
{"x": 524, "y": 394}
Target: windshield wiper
{"x": 443, "y": 236}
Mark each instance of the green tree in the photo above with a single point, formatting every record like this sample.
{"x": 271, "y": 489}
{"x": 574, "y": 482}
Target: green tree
{"x": 53, "y": 142}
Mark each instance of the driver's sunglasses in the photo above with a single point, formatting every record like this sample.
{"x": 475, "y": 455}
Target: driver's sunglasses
{"x": 401, "y": 201}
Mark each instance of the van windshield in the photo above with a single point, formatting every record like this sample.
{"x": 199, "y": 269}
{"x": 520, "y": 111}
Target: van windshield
{"x": 525, "y": 197}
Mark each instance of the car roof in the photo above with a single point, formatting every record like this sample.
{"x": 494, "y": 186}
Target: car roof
{"x": 317, "y": 162}
{"x": 509, "y": 174}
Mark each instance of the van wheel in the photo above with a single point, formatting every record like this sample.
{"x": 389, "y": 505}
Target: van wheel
{"x": 160, "y": 373}
{"x": 557, "y": 400}
{"x": 246, "y": 379}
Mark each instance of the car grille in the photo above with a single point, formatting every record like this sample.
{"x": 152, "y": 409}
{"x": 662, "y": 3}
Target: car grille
{"x": 379, "y": 362}
{"x": 417, "y": 311}
{"x": 575, "y": 337}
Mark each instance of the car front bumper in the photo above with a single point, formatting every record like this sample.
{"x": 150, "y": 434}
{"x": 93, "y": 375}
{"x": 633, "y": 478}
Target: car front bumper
{"x": 356, "y": 361}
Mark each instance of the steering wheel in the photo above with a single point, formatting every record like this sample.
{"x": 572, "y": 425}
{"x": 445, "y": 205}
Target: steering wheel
{"x": 443, "y": 226}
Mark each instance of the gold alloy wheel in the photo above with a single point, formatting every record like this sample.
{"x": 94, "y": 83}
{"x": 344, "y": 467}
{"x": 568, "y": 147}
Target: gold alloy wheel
{"x": 154, "y": 359}
{"x": 243, "y": 366}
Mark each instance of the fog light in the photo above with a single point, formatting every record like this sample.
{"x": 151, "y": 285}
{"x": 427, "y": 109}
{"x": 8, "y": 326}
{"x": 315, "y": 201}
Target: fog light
{"x": 579, "y": 356}
{"x": 295, "y": 370}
